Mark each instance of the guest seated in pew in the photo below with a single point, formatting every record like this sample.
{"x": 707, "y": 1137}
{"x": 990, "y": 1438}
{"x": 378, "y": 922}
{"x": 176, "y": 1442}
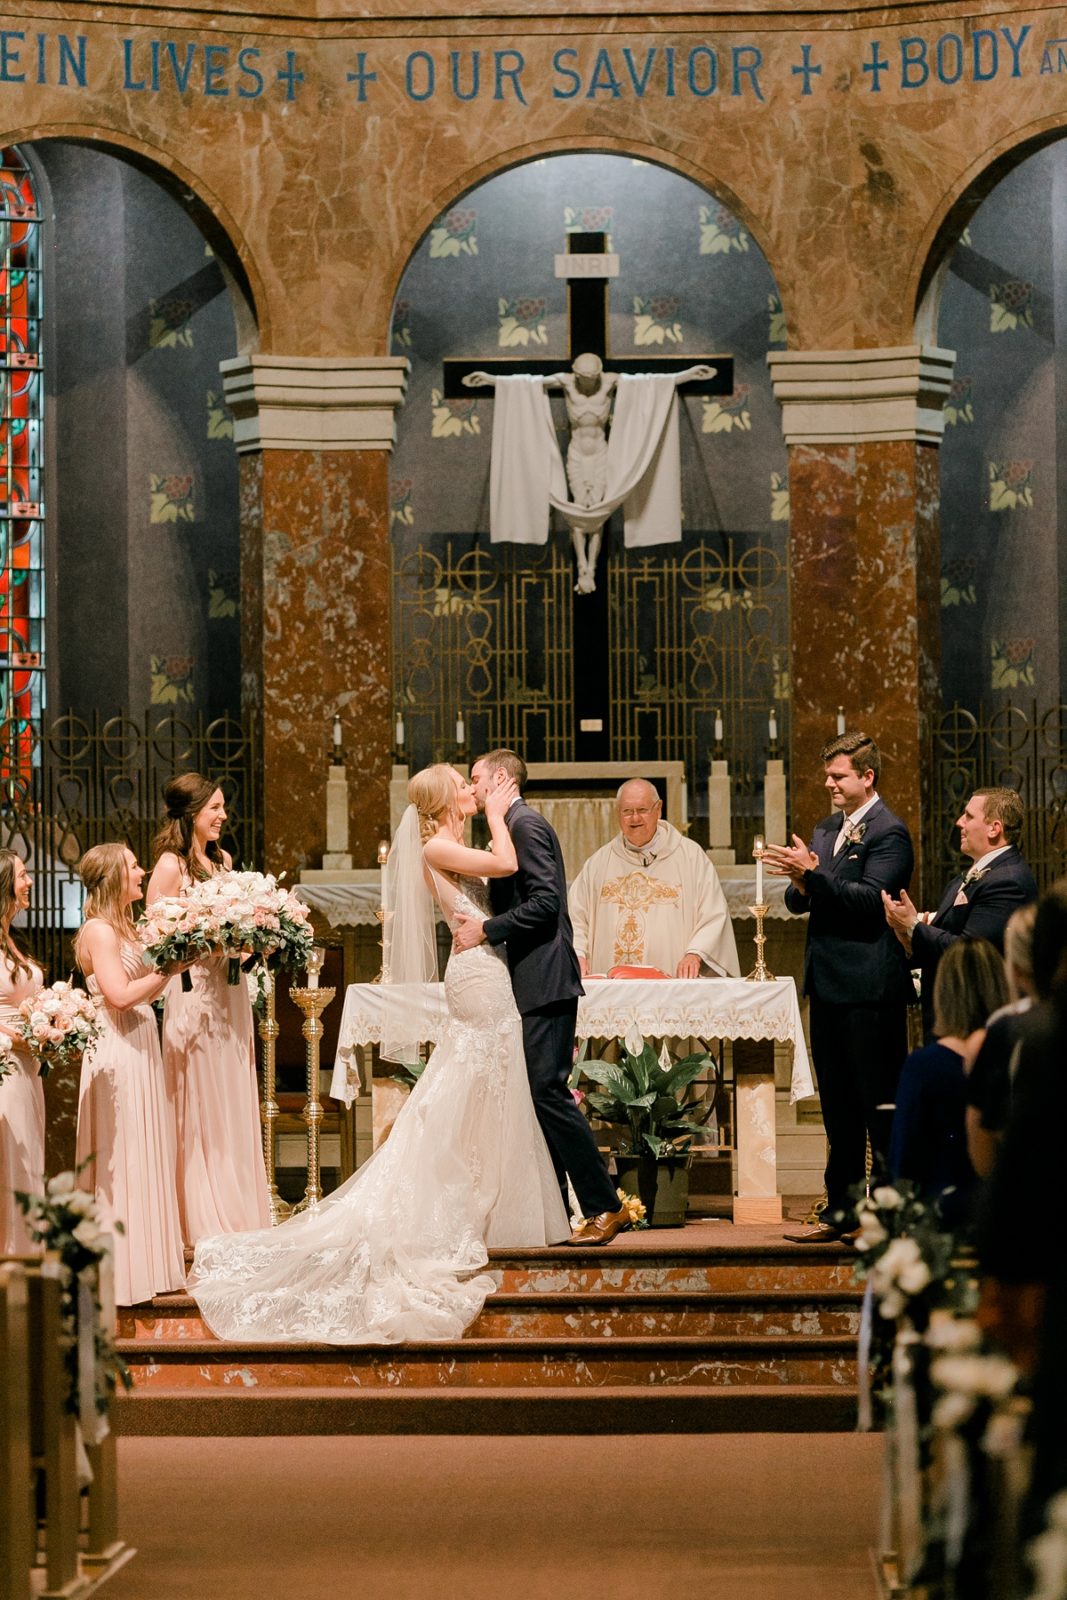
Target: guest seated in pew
{"x": 928, "y": 1142}
{"x": 651, "y": 898}
{"x": 994, "y": 1051}
{"x": 125, "y": 1118}
{"x": 21, "y": 1090}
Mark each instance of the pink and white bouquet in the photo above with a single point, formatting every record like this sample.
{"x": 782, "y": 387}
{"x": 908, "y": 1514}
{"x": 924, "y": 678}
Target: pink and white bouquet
{"x": 57, "y": 1025}
{"x": 231, "y": 913}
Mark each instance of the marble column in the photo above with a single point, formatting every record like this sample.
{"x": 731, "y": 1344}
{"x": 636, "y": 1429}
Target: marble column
{"x": 314, "y": 438}
{"x": 863, "y": 429}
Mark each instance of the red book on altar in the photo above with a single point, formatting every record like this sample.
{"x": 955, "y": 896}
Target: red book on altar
{"x": 637, "y": 972}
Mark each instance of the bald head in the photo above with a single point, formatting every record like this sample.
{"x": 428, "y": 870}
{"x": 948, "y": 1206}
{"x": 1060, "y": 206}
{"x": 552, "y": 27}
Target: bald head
{"x": 639, "y": 811}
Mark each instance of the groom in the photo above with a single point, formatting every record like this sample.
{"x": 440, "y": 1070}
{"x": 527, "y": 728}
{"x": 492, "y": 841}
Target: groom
{"x": 530, "y": 920}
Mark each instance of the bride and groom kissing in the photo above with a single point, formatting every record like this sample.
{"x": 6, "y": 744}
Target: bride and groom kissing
{"x": 481, "y": 1153}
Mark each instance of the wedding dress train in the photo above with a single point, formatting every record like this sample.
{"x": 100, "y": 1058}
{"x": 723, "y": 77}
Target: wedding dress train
{"x": 394, "y": 1255}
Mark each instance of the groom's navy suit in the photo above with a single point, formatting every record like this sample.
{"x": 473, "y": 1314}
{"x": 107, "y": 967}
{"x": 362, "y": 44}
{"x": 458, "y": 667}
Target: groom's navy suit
{"x": 982, "y": 913}
{"x": 530, "y": 920}
{"x": 858, "y": 986}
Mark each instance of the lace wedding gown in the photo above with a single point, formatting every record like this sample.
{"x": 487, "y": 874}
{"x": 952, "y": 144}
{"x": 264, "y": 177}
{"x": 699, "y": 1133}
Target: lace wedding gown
{"x": 394, "y": 1255}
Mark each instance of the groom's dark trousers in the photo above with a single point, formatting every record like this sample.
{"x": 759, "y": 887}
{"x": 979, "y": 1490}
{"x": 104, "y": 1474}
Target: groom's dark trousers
{"x": 531, "y": 921}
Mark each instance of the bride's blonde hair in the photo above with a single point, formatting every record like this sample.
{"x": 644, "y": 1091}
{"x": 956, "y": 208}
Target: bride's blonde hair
{"x": 433, "y": 794}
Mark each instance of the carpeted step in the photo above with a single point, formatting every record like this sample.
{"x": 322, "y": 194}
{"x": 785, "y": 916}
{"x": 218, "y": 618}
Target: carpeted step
{"x": 610, "y": 1409}
{"x": 726, "y": 1359}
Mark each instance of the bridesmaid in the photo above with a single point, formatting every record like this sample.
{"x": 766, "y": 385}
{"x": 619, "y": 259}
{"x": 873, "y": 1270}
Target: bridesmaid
{"x": 125, "y": 1122}
{"x": 21, "y": 1091}
{"x": 208, "y": 1050}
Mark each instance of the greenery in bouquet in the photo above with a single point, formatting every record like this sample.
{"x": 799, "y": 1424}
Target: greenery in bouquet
{"x": 7, "y": 1060}
{"x": 65, "y": 1219}
{"x": 236, "y": 914}
{"x": 174, "y": 931}
{"x": 57, "y": 1025}
{"x": 648, "y": 1097}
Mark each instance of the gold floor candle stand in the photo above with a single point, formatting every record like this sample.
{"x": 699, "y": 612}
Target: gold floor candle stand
{"x": 268, "y": 1032}
{"x": 312, "y": 1002}
{"x": 761, "y": 972}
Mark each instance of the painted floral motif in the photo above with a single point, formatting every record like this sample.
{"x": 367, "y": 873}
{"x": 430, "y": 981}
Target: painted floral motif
{"x": 720, "y": 232}
{"x": 958, "y": 406}
{"x": 171, "y": 680}
{"x": 454, "y": 235}
{"x": 172, "y": 497}
{"x": 776, "y": 331}
{"x": 1013, "y": 663}
{"x": 402, "y": 324}
{"x": 521, "y": 322}
{"x": 957, "y": 582}
{"x": 219, "y": 417}
{"x": 779, "y": 497}
{"x": 727, "y": 413}
{"x": 451, "y": 603}
{"x": 170, "y": 324}
{"x": 221, "y": 594}
{"x": 717, "y": 598}
{"x": 1012, "y": 306}
{"x": 1010, "y": 485}
{"x": 451, "y": 418}
{"x": 400, "y": 507}
{"x": 656, "y": 319}
{"x": 589, "y": 219}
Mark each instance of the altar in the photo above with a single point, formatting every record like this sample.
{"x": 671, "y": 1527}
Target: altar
{"x": 754, "y": 1016}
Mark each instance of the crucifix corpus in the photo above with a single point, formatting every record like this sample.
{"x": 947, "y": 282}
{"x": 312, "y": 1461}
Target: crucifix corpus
{"x": 629, "y": 456}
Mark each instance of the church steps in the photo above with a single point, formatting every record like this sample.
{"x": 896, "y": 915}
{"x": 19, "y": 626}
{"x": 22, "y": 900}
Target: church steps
{"x": 571, "y": 1313}
{"x": 673, "y": 1360}
{"x": 609, "y": 1409}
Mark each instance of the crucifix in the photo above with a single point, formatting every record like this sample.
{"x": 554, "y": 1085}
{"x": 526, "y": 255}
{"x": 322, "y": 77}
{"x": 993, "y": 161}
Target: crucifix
{"x": 588, "y": 266}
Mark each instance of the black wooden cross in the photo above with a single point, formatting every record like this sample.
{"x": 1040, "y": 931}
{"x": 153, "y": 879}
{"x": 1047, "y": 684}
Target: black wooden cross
{"x": 587, "y": 331}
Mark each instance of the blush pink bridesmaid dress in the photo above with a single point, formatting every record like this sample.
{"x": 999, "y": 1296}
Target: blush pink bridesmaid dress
{"x": 21, "y": 1118}
{"x": 126, "y": 1132}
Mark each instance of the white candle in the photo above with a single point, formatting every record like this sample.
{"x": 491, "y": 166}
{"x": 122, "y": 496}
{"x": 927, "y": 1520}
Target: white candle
{"x": 685, "y": 806}
{"x": 840, "y": 721}
{"x": 757, "y": 851}
{"x": 313, "y": 977}
{"x": 337, "y": 731}
{"x": 772, "y": 727}
{"x": 461, "y": 732}
{"x": 399, "y": 731}
{"x": 718, "y": 728}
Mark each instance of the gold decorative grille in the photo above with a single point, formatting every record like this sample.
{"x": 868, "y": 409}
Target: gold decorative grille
{"x": 1015, "y": 747}
{"x": 100, "y": 779}
{"x": 488, "y": 635}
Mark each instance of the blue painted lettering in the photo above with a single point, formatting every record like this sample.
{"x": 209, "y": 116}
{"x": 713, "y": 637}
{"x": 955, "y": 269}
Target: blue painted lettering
{"x": 806, "y": 68}
{"x": 876, "y": 66}
{"x": 603, "y": 79}
{"x": 1015, "y": 45}
{"x": 669, "y": 56}
{"x": 428, "y": 75}
{"x": 245, "y": 59}
{"x": 42, "y": 75}
{"x": 476, "y": 75}
{"x": 154, "y": 70}
{"x": 989, "y": 38}
{"x": 216, "y": 60}
{"x": 502, "y": 70}
{"x": 9, "y": 56}
{"x": 913, "y": 68}
{"x": 949, "y": 58}
{"x": 181, "y": 71}
{"x": 127, "y": 68}
{"x": 361, "y": 77}
{"x": 640, "y": 83}
{"x": 746, "y": 68}
{"x": 289, "y": 75}
{"x": 701, "y": 52}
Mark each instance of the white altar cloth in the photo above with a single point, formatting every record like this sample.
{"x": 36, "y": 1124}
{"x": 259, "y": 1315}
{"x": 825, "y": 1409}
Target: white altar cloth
{"x": 708, "y": 1008}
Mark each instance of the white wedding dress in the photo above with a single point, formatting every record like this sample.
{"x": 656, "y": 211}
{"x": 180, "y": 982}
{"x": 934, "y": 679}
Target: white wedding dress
{"x": 395, "y": 1254}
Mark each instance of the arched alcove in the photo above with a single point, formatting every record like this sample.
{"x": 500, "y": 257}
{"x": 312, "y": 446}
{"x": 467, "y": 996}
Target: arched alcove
{"x": 692, "y": 283}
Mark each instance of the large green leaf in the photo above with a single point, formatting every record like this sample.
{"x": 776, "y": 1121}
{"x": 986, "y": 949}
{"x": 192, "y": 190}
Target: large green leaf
{"x": 685, "y": 1073}
{"x": 613, "y": 1078}
{"x": 608, "y": 1109}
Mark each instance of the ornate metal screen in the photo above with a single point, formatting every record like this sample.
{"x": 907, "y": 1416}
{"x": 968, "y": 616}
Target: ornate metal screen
{"x": 103, "y": 779}
{"x": 1018, "y": 747}
{"x": 22, "y": 594}
{"x": 486, "y": 637}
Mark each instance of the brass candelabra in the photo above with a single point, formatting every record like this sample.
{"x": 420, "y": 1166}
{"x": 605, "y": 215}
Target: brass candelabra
{"x": 313, "y": 1002}
{"x": 268, "y": 1032}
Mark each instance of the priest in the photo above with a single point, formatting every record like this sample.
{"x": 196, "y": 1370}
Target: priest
{"x": 651, "y": 898}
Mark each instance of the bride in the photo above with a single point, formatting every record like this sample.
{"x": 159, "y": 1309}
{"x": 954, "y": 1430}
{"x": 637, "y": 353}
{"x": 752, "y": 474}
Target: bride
{"x": 394, "y": 1255}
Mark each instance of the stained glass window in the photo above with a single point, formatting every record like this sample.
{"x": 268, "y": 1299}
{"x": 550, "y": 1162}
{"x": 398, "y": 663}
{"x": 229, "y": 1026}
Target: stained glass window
{"x": 22, "y": 587}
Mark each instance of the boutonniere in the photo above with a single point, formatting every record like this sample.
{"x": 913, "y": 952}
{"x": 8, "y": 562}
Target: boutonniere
{"x": 858, "y": 831}
{"x": 975, "y": 875}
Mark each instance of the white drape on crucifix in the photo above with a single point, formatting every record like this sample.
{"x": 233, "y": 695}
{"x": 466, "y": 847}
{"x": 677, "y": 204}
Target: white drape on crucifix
{"x": 527, "y": 476}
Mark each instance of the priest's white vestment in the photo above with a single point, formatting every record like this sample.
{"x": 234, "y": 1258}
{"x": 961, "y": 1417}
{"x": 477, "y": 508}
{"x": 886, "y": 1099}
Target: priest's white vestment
{"x": 651, "y": 905}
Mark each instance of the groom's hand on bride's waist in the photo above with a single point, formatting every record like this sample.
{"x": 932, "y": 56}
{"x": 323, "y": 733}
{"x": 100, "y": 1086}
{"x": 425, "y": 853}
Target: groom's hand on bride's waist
{"x": 467, "y": 933}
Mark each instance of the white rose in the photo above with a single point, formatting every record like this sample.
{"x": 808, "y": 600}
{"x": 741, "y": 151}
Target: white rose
{"x": 914, "y": 1278}
{"x": 87, "y": 1234}
{"x": 892, "y": 1304}
{"x": 62, "y": 1184}
{"x": 887, "y": 1197}
{"x": 950, "y": 1333}
{"x": 80, "y": 1203}
{"x": 952, "y": 1409}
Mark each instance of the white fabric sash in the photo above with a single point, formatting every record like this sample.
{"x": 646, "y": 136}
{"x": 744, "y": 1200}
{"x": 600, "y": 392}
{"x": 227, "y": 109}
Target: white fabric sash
{"x": 527, "y": 476}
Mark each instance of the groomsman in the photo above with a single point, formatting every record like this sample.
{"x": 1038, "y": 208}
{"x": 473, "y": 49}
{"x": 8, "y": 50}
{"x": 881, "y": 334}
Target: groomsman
{"x": 855, "y": 975}
{"x": 978, "y": 902}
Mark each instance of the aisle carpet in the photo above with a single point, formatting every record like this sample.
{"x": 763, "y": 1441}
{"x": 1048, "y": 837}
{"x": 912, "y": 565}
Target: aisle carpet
{"x": 720, "y": 1517}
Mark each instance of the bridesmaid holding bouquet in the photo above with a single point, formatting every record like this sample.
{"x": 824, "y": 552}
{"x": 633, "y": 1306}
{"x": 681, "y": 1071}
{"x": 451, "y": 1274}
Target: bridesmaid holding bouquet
{"x": 208, "y": 1048}
{"x": 125, "y": 1122}
{"x": 21, "y": 1090}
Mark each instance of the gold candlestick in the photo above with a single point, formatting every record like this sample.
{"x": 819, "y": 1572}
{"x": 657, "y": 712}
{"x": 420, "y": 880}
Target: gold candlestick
{"x": 761, "y": 972}
{"x": 312, "y": 1002}
{"x": 268, "y": 1032}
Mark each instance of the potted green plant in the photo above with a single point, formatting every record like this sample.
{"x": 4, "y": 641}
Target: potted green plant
{"x": 648, "y": 1098}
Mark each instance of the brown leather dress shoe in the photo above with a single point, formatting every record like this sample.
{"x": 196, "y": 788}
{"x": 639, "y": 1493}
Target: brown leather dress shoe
{"x": 602, "y": 1229}
{"x": 823, "y": 1234}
